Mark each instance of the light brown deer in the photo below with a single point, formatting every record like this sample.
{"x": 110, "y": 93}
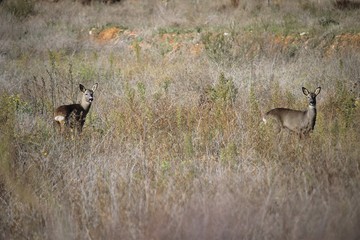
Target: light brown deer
{"x": 74, "y": 115}
{"x": 300, "y": 122}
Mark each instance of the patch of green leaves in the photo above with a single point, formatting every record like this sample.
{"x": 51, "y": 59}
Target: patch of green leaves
{"x": 223, "y": 93}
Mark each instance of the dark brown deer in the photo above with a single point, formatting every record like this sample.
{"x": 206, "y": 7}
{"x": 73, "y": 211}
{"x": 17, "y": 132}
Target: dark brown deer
{"x": 300, "y": 122}
{"x": 73, "y": 115}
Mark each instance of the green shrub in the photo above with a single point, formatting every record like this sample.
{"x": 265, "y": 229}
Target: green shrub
{"x": 223, "y": 93}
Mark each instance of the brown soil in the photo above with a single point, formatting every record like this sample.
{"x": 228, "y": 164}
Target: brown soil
{"x": 191, "y": 42}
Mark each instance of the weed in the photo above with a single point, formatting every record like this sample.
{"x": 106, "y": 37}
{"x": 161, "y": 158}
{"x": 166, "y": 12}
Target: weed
{"x": 188, "y": 145}
{"x": 228, "y": 153}
{"x": 223, "y": 94}
{"x": 218, "y": 47}
{"x": 137, "y": 50}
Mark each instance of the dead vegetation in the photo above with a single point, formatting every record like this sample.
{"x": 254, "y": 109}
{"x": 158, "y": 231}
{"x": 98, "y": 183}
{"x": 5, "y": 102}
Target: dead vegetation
{"x": 174, "y": 147}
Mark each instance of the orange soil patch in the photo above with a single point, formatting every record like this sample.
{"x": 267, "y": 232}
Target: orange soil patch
{"x": 345, "y": 41}
{"x": 287, "y": 40}
{"x": 183, "y": 41}
{"x": 191, "y": 42}
{"x": 108, "y": 34}
{"x": 339, "y": 43}
{"x": 196, "y": 49}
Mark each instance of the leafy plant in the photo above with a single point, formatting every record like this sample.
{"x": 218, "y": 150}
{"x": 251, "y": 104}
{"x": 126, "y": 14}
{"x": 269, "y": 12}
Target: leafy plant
{"x": 223, "y": 93}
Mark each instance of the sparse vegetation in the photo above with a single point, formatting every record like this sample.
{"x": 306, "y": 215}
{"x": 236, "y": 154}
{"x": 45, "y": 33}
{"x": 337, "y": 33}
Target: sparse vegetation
{"x": 20, "y": 8}
{"x": 152, "y": 161}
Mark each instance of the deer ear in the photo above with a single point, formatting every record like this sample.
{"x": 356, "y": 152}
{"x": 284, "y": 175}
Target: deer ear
{"x": 317, "y": 91}
{"x": 305, "y": 91}
{"x": 82, "y": 88}
{"x": 94, "y": 87}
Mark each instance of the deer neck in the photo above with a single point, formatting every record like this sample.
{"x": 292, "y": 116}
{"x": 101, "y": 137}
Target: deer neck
{"x": 85, "y": 104}
{"x": 311, "y": 115}
{"x": 311, "y": 111}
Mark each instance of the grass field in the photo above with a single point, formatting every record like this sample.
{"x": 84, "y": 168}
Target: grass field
{"x": 174, "y": 146}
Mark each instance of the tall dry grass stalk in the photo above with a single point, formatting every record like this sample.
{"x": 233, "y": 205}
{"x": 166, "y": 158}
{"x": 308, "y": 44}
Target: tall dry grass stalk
{"x": 174, "y": 147}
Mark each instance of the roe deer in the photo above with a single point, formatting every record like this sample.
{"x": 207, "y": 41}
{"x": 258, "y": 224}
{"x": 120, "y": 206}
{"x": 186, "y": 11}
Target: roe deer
{"x": 73, "y": 115}
{"x": 301, "y": 122}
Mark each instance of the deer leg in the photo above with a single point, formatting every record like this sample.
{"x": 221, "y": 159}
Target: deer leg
{"x": 62, "y": 127}
{"x": 59, "y": 125}
{"x": 79, "y": 127}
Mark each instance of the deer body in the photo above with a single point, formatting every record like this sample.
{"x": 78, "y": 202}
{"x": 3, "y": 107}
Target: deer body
{"x": 301, "y": 122}
{"x": 74, "y": 115}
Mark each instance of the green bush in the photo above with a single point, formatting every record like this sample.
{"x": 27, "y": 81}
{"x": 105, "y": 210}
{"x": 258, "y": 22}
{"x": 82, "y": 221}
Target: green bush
{"x": 223, "y": 93}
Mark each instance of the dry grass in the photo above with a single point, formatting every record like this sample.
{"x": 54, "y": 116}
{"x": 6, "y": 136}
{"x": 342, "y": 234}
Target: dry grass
{"x": 152, "y": 162}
